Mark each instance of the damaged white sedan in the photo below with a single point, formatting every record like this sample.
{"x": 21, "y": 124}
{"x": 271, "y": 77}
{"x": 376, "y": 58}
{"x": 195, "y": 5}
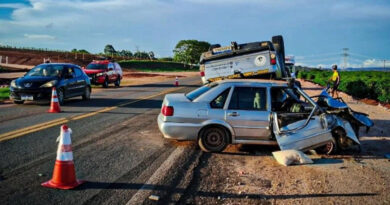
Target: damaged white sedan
{"x": 260, "y": 112}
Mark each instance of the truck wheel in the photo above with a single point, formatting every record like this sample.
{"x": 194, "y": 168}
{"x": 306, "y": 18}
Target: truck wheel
{"x": 278, "y": 43}
{"x": 213, "y": 139}
{"x": 214, "y": 46}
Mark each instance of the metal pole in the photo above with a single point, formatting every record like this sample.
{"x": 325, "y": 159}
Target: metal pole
{"x": 6, "y": 60}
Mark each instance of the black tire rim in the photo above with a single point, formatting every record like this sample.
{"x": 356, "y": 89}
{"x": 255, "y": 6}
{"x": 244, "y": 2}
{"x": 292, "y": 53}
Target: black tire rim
{"x": 214, "y": 139}
{"x": 60, "y": 96}
{"x": 87, "y": 93}
{"x": 329, "y": 148}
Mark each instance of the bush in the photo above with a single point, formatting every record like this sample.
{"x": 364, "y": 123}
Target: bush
{"x": 361, "y": 84}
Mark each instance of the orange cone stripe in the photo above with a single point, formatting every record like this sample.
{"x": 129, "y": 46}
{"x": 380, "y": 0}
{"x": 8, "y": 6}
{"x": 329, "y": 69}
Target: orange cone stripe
{"x": 66, "y": 148}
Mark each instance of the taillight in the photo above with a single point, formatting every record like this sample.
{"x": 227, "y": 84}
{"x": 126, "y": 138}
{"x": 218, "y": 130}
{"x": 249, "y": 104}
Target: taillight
{"x": 167, "y": 110}
{"x": 201, "y": 73}
{"x": 273, "y": 59}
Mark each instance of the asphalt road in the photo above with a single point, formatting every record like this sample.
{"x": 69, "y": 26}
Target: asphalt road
{"x": 116, "y": 145}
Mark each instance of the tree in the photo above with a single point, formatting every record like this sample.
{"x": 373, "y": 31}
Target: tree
{"x": 141, "y": 55}
{"x": 151, "y": 55}
{"x": 189, "y": 51}
{"x": 109, "y": 50}
{"x": 125, "y": 53}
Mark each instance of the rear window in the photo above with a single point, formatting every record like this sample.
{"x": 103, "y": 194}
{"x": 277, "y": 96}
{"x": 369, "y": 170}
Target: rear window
{"x": 198, "y": 92}
{"x": 96, "y": 66}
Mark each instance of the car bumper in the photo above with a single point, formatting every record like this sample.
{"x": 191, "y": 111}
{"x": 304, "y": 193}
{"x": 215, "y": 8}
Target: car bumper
{"x": 178, "y": 131}
{"x": 40, "y": 94}
{"x": 96, "y": 79}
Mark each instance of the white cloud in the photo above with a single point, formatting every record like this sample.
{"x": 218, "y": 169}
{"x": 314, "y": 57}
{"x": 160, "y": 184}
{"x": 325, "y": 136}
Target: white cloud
{"x": 39, "y": 36}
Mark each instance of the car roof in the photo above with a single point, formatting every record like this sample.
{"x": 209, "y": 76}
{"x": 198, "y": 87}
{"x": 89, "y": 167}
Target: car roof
{"x": 59, "y": 64}
{"x": 255, "y": 81}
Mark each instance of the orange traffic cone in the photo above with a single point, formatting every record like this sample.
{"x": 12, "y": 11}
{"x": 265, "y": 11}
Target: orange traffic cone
{"x": 64, "y": 174}
{"x": 177, "y": 81}
{"x": 54, "y": 105}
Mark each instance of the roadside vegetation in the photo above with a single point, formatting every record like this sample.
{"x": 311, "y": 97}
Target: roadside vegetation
{"x": 156, "y": 66}
{"x": 361, "y": 84}
{"x": 4, "y": 93}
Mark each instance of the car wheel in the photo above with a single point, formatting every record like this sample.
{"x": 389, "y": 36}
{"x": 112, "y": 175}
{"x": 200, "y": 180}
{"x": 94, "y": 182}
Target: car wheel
{"x": 118, "y": 81}
{"x": 18, "y": 101}
{"x": 328, "y": 149}
{"x": 60, "y": 96}
{"x": 87, "y": 93}
{"x": 213, "y": 139}
{"x": 105, "y": 84}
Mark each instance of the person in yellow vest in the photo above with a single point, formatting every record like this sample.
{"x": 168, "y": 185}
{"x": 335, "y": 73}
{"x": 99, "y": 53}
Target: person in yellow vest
{"x": 335, "y": 80}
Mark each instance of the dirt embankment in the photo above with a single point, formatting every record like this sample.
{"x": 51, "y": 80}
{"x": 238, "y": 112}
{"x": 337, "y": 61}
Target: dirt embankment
{"x": 250, "y": 175}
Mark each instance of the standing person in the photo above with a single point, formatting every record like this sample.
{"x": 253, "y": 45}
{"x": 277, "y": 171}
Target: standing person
{"x": 336, "y": 80}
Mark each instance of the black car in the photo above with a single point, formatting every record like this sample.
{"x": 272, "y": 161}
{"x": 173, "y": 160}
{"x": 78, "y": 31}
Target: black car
{"x": 36, "y": 85}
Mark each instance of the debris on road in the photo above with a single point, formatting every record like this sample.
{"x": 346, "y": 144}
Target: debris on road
{"x": 154, "y": 197}
{"x": 291, "y": 157}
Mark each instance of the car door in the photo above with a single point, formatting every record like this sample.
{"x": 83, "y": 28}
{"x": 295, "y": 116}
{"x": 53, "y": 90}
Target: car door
{"x": 248, "y": 113}
{"x": 70, "y": 83}
{"x": 80, "y": 80}
{"x": 111, "y": 72}
{"x": 303, "y": 134}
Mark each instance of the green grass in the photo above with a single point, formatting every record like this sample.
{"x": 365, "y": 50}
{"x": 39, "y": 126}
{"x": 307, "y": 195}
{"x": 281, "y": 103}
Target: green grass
{"x": 156, "y": 66}
{"x": 362, "y": 84}
{"x": 166, "y": 70}
{"x": 4, "y": 93}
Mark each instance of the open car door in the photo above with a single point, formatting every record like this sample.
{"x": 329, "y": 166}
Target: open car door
{"x": 303, "y": 134}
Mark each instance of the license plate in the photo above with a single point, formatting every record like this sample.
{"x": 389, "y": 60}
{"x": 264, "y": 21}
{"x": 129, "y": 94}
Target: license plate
{"x": 27, "y": 97}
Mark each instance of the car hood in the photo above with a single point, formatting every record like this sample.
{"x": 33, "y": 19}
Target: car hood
{"x": 93, "y": 71}
{"x": 33, "y": 81}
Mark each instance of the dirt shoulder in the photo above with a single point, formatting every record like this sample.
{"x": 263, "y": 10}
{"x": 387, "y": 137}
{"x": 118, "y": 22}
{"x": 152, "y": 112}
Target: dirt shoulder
{"x": 250, "y": 175}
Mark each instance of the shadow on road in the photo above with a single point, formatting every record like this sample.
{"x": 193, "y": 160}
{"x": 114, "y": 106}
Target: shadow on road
{"x": 137, "y": 186}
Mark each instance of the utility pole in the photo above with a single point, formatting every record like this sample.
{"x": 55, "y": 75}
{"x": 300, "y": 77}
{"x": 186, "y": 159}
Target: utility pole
{"x": 345, "y": 56}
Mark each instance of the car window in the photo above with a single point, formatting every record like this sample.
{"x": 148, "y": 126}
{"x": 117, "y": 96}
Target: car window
{"x": 69, "y": 71}
{"x": 78, "y": 72}
{"x": 45, "y": 70}
{"x": 198, "y": 92}
{"x": 220, "y": 100}
{"x": 248, "y": 98}
{"x": 96, "y": 66}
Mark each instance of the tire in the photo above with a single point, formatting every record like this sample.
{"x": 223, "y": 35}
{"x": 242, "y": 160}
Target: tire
{"x": 60, "y": 96}
{"x": 278, "y": 43}
{"x": 213, "y": 139}
{"x": 87, "y": 93}
{"x": 105, "y": 84}
{"x": 118, "y": 81}
{"x": 328, "y": 149}
{"x": 18, "y": 102}
{"x": 214, "y": 46}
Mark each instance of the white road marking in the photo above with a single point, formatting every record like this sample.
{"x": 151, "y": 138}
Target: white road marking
{"x": 158, "y": 175}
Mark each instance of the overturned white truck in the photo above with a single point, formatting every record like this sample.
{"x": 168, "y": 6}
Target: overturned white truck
{"x": 263, "y": 59}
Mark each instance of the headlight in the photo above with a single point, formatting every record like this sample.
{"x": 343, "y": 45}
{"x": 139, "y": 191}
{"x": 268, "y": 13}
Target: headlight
{"x": 13, "y": 84}
{"x": 49, "y": 84}
{"x": 99, "y": 74}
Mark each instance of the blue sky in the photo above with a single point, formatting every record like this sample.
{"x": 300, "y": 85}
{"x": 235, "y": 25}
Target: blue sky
{"x": 315, "y": 31}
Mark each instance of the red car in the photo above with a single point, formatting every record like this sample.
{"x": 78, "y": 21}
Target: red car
{"x": 104, "y": 72}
